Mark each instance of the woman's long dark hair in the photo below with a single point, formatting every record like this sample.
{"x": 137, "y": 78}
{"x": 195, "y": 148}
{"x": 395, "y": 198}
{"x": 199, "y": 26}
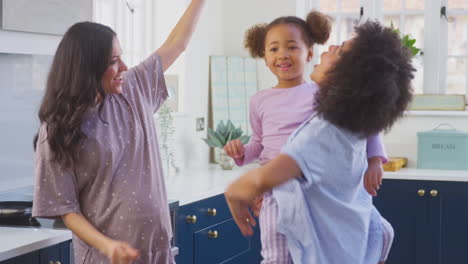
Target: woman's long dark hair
{"x": 370, "y": 86}
{"x": 73, "y": 85}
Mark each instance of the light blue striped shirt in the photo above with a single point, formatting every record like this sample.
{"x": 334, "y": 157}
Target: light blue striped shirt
{"x": 327, "y": 215}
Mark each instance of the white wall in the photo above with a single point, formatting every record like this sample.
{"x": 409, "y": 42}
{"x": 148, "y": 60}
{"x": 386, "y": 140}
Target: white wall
{"x": 190, "y": 149}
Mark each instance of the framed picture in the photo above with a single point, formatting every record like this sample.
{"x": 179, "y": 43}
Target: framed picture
{"x": 172, "y": 83}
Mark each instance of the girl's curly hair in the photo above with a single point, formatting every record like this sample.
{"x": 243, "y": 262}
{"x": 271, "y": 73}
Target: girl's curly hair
{"x": 369, "y": 87}
{"x": 315, "y": 29}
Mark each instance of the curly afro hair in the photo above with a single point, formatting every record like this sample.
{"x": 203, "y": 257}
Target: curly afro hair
{"x": 369, "y": 87}
{"x": 315, "y": 29}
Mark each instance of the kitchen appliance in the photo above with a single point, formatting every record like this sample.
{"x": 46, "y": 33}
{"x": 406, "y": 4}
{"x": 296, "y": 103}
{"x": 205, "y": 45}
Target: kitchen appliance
{"x": 173, "y": 209}
{"x": 17, "y": 214}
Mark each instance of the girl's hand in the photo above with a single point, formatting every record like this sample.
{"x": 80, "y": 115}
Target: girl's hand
{"x": 235, "y": 149}
{"x": 373, "y": 176}
{"x": 120, "y": 252}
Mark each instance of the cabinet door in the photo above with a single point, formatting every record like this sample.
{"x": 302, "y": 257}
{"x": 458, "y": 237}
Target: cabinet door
{"x": 30, "y": 258}
{"x": 408, "y": 212}
{"x": 452, "y": 201}
{"x": 44, "y": 16}
{"x": 219, "y": 243}
{"x": 50, "y": 254}
{"x": 196, "y": 247}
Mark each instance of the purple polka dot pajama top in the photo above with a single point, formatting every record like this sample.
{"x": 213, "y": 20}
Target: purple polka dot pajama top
{"x": 117, "y": 182}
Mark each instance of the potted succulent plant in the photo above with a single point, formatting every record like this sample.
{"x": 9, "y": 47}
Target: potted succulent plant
{"x": 220, "y": 137}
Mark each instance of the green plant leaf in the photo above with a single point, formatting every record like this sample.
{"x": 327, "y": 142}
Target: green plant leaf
{"x": 213, "y": 136}
{"x": 244, "y": 139}
{"x": 236, "y": 133}
{"x": 230, "y": 125}
{"x": 221, "y": 129}
{"x": 210, "y": 143}
{"x": 229, "y": 136}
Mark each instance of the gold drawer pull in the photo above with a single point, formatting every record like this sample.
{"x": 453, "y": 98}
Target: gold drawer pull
{"x": 421, "y": 192}
{"x": 212, "y": 234}
{"x": 434, "y": 193}
{"x": 212, "y": 211}
{"x": 191, "y": 219}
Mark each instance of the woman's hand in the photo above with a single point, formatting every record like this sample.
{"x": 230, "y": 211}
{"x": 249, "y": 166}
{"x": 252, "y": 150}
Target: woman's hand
{"x": 235, "y": 149}
{"x": 373, "y": 176}
{"x": 120, "y": 252}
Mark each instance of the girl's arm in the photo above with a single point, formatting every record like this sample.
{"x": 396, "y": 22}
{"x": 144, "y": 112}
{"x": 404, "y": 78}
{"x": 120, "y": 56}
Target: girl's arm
{"x": 179, "y": 37}
{"x": 116, "y": 251}
{"x": 376, "y": 148}
{"x": 253, "y": 149}
{"x": 376, "y": 156}
{"x": 241, "y": 193}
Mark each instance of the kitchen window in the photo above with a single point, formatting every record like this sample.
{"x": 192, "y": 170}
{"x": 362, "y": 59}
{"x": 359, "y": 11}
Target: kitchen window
{"x": 439, "y": 26}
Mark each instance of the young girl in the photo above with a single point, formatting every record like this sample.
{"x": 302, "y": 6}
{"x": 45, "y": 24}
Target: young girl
{"x": 325, "y": 212}
{"x": 286, "y": 45}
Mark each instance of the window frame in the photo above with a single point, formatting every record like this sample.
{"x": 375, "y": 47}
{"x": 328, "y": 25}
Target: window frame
{"x": 435, "y": 54}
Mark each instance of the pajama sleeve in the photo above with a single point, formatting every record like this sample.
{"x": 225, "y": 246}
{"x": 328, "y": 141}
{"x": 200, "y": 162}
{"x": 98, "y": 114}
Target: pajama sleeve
{"x": 148, "y": 78}
{"x": 254, "y": 147}
{"x": 55, "y": 187}
{"x": 376, "y": 148}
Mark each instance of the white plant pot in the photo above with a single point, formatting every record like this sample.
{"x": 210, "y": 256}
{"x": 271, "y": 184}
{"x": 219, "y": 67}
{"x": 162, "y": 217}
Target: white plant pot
{"x": 226, "y": 162}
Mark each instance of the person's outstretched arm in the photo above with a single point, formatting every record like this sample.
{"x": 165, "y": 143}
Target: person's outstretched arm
{"x": 180, "y": 35}
{"x": 241, "y": 193}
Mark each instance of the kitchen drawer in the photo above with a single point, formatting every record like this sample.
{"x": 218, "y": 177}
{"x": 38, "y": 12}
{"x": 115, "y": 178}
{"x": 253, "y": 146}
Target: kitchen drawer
{"x": 195, "y": 245}
{"x": 219, "y": 242}
{"x": 203, "y": 212}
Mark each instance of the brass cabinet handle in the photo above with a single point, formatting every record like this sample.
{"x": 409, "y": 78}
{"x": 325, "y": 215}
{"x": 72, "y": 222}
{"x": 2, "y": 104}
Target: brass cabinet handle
{"x": 58, "y": 262}
{"x": 212, "y": 234}
{"x": 212, "y": 211}
{"x": 421, "y": 192}
{"x": 434, "y": 193}
{"x": 191, "y": 219}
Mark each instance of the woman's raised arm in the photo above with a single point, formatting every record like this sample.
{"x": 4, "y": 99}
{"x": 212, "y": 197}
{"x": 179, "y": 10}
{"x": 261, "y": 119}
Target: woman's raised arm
{"x": 180, "y": 35}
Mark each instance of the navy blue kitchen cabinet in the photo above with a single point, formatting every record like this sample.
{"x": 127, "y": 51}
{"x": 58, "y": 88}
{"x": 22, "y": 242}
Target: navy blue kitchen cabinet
{"x": 57, "y": 254}
{"x": 207, "y": 234}
{"x": 429, "y": 218}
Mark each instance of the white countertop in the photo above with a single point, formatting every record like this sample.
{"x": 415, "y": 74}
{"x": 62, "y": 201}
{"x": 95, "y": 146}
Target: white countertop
{"x": 187, "y": 186}
{"x": 428, "y": 175}
{"x": 197, "y": 184}
{"x": 16, "y": 241}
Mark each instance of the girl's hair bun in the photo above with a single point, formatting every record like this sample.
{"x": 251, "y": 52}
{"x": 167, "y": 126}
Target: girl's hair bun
{"x": 254, "y": 40}
{"x": 319, "y": 26}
